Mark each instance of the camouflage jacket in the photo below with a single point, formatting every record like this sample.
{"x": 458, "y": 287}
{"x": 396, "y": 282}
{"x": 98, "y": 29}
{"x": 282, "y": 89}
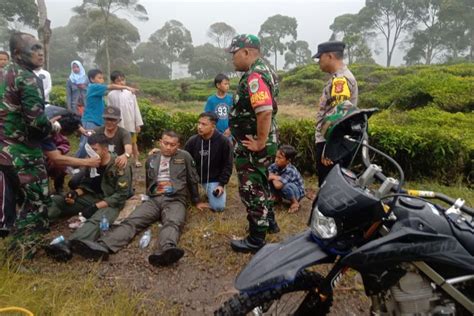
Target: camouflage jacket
{"x": 340, "y": 87}
{"x": 22, "y": 117}
{"x": 256, "y": 92}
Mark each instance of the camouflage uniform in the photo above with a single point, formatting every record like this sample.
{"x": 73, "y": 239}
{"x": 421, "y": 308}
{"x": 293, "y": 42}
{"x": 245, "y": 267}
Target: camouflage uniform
{"x": 256, "y": 92}
{"x": 23, "y": 125}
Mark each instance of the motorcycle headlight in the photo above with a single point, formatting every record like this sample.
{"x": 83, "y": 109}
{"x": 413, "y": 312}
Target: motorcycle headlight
{"x": 321, "y": 226}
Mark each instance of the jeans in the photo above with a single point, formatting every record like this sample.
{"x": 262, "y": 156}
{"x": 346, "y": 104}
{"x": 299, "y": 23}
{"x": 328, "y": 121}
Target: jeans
{"x": 289, "y": 192}
{"x": 216, "y": 203}
{"x": 81, "y": 152}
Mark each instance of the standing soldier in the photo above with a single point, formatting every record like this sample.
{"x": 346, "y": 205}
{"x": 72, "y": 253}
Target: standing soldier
{"x": 252, "y": 125}
{"x": 340, "y": 87}
{"x": 23, "y": 125}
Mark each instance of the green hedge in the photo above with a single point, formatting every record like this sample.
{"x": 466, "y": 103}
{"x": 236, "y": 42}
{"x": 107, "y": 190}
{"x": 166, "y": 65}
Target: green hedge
{"x": 426, "y": 142}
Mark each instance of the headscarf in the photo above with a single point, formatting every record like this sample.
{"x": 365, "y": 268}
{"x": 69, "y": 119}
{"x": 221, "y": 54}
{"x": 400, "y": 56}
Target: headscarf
{"x": 79, "y": 78}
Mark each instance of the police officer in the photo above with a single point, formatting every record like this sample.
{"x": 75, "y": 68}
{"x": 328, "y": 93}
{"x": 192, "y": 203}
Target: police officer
{"x": 252, "y": 125}
{"x": 340, "y": 87}
{"x": 23, "y": 125}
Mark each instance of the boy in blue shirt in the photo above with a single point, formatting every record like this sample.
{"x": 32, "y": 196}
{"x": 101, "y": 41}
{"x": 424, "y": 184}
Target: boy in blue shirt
{"x": 92, "y": 117}
{"x": 220, "y": 103}
{"x": 285, "y": 179}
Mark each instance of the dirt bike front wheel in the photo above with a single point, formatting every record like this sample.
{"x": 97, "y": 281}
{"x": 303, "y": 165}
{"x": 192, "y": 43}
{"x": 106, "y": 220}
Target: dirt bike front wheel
{"x": 296, "y": 298}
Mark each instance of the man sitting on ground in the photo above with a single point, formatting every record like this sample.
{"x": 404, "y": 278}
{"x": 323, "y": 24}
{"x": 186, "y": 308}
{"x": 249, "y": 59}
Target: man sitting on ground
{"x": 170, "y": 178}
{"x": 213, "y": 154}
{"x": 96, "y": 197}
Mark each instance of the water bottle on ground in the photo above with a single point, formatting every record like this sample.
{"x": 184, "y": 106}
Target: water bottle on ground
{"x": 81, "y": 217}
{"x": 104, "y": 224}
{"x": 146, "y": 238}
{"x": 57, "y": 240}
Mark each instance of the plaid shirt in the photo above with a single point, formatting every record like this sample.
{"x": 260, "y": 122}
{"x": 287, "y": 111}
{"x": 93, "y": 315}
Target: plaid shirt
{"x": 289, "y": 174}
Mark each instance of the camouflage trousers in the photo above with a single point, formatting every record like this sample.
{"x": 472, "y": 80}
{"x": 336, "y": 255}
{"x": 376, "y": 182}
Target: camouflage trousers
{"x": 254, "y": 188}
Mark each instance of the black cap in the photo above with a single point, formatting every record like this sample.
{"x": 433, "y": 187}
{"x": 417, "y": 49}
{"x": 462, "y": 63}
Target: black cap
{"x": 327, "y": 47}
{"x": 112, "y": 112}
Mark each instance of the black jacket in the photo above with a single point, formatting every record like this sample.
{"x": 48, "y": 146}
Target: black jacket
{"x": 220, "y": 150}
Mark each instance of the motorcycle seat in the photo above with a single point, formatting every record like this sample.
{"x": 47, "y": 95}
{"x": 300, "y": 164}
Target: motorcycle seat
{"x": 463, "y": 230}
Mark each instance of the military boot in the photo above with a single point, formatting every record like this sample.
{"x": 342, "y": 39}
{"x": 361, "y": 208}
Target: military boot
{"x": 273, "y": 227}
{"x": 252, "y": 243}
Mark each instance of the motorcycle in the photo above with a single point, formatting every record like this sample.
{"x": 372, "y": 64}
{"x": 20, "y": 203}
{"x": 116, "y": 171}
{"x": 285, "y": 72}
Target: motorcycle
{"x": 415, "y": 257}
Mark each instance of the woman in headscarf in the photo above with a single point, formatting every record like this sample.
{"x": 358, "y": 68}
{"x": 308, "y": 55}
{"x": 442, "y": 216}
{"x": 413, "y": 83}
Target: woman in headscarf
{"x": 76, "y": 87}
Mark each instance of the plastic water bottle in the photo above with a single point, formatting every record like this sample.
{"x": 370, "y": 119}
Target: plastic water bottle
{"x": 104, "y": 224}
{"x": 82, "y": 219}
{"x": 145, "y": 240}
{"x": 57, "y": 240}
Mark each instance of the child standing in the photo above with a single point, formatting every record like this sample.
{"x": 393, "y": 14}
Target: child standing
{"x": 95, "y": 105}
{"x": 285, "y": 179}
{"x": 126, "y": 101}
{"x": 220, "y": 103}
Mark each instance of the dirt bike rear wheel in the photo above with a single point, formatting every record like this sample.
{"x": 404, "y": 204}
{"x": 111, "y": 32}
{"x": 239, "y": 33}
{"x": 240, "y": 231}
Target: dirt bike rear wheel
{"x": 297, "y": 298}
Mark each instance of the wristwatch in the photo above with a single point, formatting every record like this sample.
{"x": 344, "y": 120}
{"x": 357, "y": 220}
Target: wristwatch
{"x": 127, "y": 155}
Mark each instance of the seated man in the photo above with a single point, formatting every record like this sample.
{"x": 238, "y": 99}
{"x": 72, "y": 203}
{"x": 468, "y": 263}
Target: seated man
{"x": 170, "y": 178}
{"x": 213, "y": 154}
{"x": 285, "y": 180}
{"x": 96, "y": 197}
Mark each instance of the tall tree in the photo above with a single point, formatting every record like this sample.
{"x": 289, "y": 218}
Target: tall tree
{"x": 64, "y": 49}
{"x": 208, "y": 60}
{"x": 149, "y": 59}
{"x": 298, "y": 54}
{"x": 44, "y": 30}
{"x": 349, "y": 29}
{"x": 20, "y": 11}
{"x": 175, "y": 41}
{"x": 390, "y": 18}
{"x": 221, "y": 33}
{"x": 273, "y": 33}
{"x": 107, "y": 9}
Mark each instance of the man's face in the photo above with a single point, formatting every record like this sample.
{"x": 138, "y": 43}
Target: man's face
{"x": 3, "y": 60}
{"x": 101, "y": 150}
{"x": 111, "y": 124}
{"x": 169, "y": 145}
{"x": 205, "y": 127}
{"x": 325, "y": 61}
{"x": 240, "y": 60}
{"x": 223, "y": 86}
{"x": 30, "y": 54}
{"x": 99, "y": 78}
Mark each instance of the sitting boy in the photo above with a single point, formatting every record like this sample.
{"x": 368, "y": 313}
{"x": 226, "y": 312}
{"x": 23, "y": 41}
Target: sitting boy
{"x": 102, "y": 195}
{"x": 285, "y": 179}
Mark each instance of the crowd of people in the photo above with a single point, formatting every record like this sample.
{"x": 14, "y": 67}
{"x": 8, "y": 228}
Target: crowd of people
{"x": 232, "y": 131}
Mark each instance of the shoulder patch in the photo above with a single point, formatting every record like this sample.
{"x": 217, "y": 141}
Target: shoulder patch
{"x": 253, "y": 85}
{"x": 340, "y": 87}
{"x": 122, "y": 185}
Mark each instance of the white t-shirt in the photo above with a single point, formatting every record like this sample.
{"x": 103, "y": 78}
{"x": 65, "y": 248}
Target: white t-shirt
{"x": 46, "y": 78}
{"x": 127, "y": 103}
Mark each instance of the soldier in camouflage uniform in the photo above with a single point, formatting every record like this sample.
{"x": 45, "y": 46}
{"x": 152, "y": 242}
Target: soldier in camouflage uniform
{"x": 252, "y": 124}
{"x": 341, "y": 86}
{"x": 23, "y": 125}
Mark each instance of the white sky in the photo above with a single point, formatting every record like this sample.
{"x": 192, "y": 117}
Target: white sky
{"x": 314, "y": 17}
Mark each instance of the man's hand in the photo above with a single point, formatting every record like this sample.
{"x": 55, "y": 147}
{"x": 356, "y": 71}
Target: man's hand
{"x": 121, "y": 161}
{"x": 253, "y": 144}
{"x": 92, "y": 162}
{"x": 138, "y": 129}
{"x": 218, "y": 191}
{"x": 202, "y": 206}
{"x": 326, "y": 161}
{"x": 71, "y": 197}
{"x": 132, "y": 90}
{"x": 273, "y": 176}
{"x": 153, "y": 151}
{"x": 90, "y": 210}
{"x": 227, "y": 132}
{"x": 86, "y": 132}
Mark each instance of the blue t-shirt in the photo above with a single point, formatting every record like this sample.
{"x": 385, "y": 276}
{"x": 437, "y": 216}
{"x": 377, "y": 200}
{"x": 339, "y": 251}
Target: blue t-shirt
{"x": 95, "y": 103}
{"x": 220, "y": 106}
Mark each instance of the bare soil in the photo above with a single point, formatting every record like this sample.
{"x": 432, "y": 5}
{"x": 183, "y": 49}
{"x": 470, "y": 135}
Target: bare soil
{"x": 203, "y": 279}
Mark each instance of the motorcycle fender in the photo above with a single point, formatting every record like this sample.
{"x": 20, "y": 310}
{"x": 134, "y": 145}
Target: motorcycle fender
{"x": 278, "y": 264}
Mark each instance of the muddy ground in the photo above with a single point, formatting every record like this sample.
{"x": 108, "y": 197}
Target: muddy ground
{"x": 203, "y": 279}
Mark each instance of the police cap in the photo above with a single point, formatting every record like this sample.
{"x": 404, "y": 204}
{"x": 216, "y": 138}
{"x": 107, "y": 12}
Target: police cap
{"x": 243, "y": 41}
{"x": 327, "y": 47}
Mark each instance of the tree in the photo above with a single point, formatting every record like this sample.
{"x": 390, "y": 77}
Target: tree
{"x": 107, "y": 9}
{"x": 208, "y": 60}
{"x": 349, "y": 29}
{"x": 44, "y": 30}
{"x": 175, "y": 41}
{"x": 148, "y": 57}
{"x": 273, "y": 32}
{"x": 221, "y": 33}
{"x": 64, "y": 49}
{"x": 390, "y": 18}
{"x": 298, "y": 54}
{"x": 20, "y": 11}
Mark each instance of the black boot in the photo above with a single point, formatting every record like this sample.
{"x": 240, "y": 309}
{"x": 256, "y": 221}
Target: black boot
{"x": 273, "y": 227}
{"x": 90, "y": 250}
{"x": 252, "y": 243}
{"x": 166, "y": 257}
{"x": 60, "y": 251}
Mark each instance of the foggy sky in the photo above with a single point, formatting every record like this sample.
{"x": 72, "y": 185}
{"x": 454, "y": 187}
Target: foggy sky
{"x": 246, "y": 16}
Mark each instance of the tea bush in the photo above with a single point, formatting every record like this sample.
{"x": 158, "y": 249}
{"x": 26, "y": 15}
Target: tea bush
{"x": 57, "y": 96}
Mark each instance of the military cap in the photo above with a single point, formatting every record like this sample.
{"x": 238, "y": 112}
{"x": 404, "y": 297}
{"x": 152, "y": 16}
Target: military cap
{"x": 243, "y": 41}
{"x": 327, "y": 47}
{"x": 112, "y": 112}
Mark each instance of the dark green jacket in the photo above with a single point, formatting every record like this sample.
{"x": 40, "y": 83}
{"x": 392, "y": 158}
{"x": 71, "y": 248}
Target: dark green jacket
{"x": 115, "y": 184}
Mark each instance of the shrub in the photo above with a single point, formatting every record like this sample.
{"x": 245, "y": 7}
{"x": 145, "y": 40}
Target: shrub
{"x": 58, "y": 96}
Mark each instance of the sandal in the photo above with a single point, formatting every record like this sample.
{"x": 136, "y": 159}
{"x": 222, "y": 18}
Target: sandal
{"x": 138, "y": 164}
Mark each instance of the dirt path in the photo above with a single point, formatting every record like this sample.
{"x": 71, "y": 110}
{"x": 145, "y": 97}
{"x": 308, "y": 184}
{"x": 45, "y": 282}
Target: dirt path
{"x": 203, "y": 279}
